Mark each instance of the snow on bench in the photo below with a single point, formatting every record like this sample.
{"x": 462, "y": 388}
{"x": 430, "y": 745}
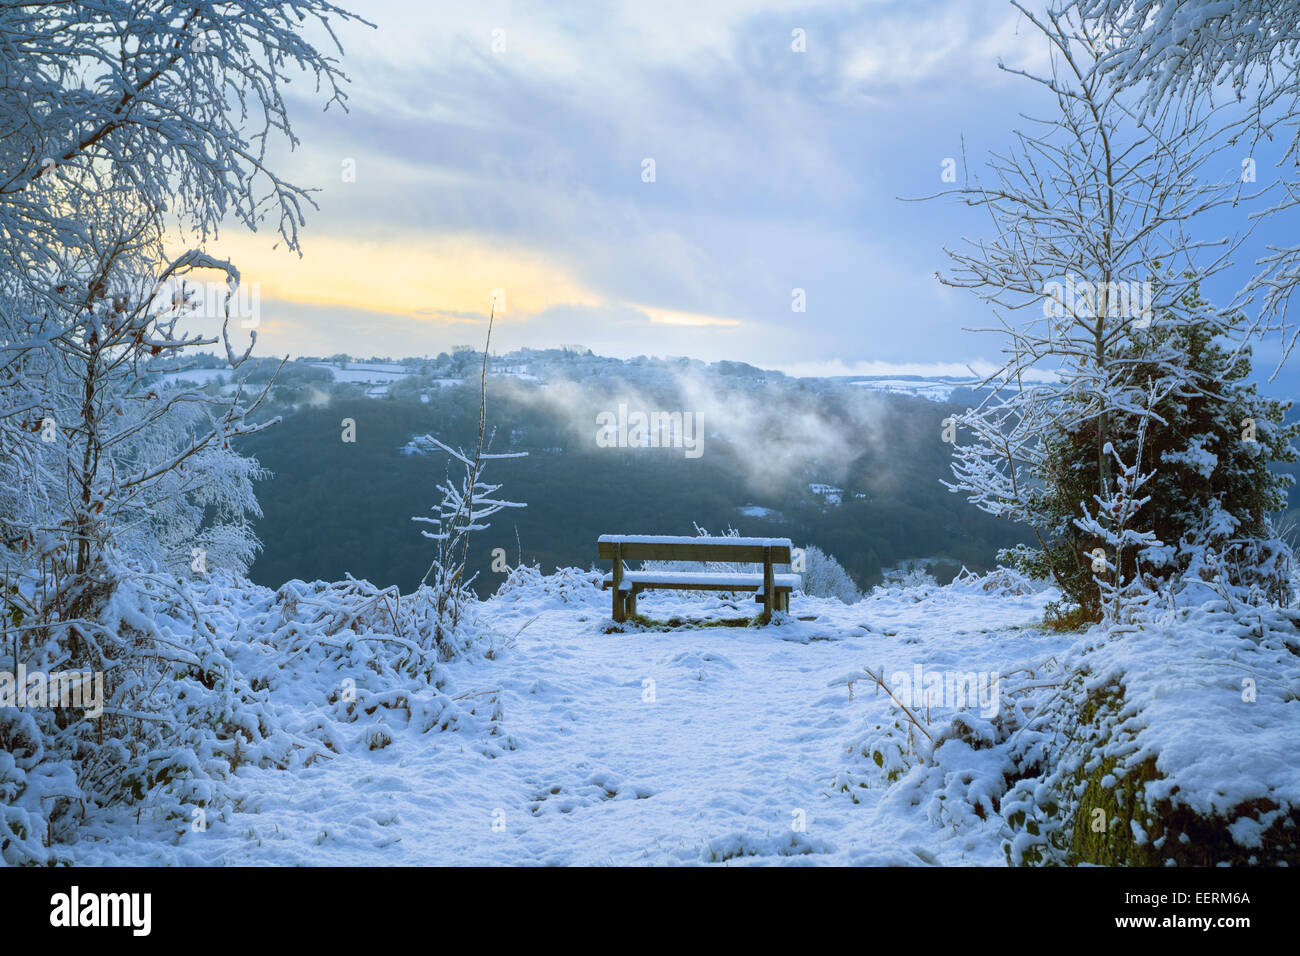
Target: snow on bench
{"x": 773, "y": 590}
{"x": 694, "y": 540}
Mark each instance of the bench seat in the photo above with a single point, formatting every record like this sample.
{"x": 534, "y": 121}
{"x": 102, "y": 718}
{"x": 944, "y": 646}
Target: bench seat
{"x": 699, "y": 581}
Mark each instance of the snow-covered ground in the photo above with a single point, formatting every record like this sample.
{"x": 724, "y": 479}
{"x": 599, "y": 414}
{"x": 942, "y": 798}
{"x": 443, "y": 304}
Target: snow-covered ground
{"x": 365, "y": 372}
{"x": 936, "y": 390}
{"x": 676, "y": 745}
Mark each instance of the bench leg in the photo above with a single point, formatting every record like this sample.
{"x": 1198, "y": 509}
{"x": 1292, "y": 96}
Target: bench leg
{"x": 769, "y": 586}
{"x": 629, "y": 603}
{"x": 619, "y": 614}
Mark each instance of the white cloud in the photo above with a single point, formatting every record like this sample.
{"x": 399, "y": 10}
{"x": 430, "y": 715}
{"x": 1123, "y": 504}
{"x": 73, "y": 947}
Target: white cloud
{"x": 775, "y": 170}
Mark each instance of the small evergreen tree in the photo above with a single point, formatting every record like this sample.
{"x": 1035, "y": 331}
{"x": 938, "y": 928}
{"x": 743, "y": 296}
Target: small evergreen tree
{"x": 1210, "y": 441}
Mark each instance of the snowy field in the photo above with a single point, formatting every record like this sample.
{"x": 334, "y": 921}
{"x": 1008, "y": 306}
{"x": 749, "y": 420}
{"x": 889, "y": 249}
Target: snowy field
{"x": 364, "y": 372}
{"x": 935, "y": 391}
{"x": 734, "y": 745}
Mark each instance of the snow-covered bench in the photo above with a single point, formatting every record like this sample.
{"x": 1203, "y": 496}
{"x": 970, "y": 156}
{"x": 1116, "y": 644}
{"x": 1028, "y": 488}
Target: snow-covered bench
{"x": 771, "y": 589}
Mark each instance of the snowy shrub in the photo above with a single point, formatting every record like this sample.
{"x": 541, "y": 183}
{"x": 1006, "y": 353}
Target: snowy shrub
{"x": 1162, "y": 743}
{"x": 175, "y": 715}
{"x": 30, "y": 782}
{"x": 741, "y": 845}
{"x": 905, "y": 578}
{"x": 1004, "y": 581}
{"x": 955, "y": 769}
{"x": 215, "y": 674}
{"x": 825, "y": 577}
{"x": 931, "y": 756}
{"x": 968, "y": 763}
{"x": 408, "y": 632}
{"x": 441, "y": 607}
{"x": 878, "y": 757}
{"x": 1215, "y": 561}
{"x": 568, "y": 586}
{"x": 911, "y": 582}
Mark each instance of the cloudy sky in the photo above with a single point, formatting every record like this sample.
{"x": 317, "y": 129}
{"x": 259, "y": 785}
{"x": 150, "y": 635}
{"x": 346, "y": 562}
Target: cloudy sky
{"x": 505, "y": 146}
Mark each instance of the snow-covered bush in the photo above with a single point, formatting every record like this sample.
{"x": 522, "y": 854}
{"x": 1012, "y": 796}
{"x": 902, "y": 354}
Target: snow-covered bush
{"x": 825, "y": 577}
{"x": 176, "y": 715}
{"x": 878, "y": 757}
{"x": 957, "y": 769}
{"x": 566, "y": 586}
{"x": 218, "y": 673}
{"x": 908, "y": 576}
{"x": 910, "y": 582}
{"x": 1001, "y": 580}
{"x": 31, "y": 782}
{"x": 1165, "y": 741}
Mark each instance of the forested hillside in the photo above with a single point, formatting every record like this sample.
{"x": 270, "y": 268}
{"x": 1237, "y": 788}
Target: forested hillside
{"x": 865, "y": 489}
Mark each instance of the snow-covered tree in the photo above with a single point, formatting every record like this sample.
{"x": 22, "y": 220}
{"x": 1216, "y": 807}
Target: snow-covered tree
{"x": 128, "y": 127}
{"x": 1205, "y": 441}
{"x": 1167, "y": 51}
{"x": 1092, "y": 250}
{"x": 124, "y": 124}
{"x": 127, "y": 460}
{"x": 467, "y": 502}
{"x": 1114, "y": 522}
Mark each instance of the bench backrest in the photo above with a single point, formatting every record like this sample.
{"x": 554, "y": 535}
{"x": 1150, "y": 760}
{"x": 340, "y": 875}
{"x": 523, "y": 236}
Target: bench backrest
{"x": 637, "y": 547}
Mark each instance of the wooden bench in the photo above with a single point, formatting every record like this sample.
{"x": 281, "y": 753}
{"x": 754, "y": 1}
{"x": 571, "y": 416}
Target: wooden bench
{"x": 771, "y": 589}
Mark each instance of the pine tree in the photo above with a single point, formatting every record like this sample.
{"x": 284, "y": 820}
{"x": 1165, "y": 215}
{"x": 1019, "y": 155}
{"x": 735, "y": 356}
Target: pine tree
{"x": 1210, "y": 441}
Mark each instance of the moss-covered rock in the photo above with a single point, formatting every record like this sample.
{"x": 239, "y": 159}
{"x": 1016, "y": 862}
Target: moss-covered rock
{"x": 1094, "y": 803}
